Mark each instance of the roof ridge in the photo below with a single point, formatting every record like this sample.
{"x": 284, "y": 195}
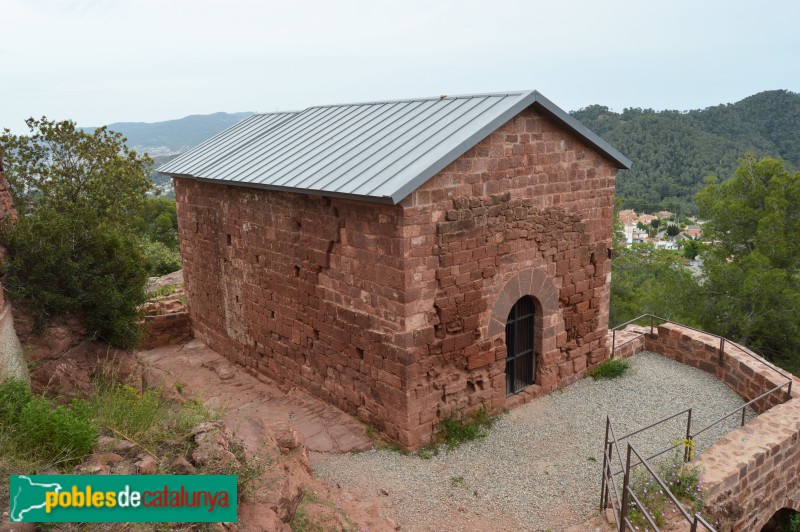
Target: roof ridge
{"x": 426, "y": 99}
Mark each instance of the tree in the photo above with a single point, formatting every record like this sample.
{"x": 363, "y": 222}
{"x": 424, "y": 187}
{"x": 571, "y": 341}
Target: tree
{"x": 655, "y": 223}
{"x": 157, "y": 221}
{"x": 72, "y": 248}
{"x": 751, "y": 284}
{"x": 672, "y": 230}
{"x": 690, "y": 249}
{"x": 649, "y": 280}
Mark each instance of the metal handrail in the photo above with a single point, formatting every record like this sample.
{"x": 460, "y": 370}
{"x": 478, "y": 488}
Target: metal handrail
{"x": 742, "y": 408}
{"x": 634, "y": 433}
{"x": 692, "y": 519}
{"x": 722, "y": 339}
{"x": 642, "y": 508}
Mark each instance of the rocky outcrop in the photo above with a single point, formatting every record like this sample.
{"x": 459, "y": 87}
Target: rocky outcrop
{"x": 12, "y": 361}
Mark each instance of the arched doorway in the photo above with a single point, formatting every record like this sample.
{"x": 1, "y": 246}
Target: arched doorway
{"x": 520, "y": 357}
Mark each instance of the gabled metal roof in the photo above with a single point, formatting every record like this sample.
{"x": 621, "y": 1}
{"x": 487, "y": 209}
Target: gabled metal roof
{"x": 376, "y": 151}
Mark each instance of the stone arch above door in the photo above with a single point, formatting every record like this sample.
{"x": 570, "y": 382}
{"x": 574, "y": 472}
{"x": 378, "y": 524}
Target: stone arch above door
{"x": 534, "y": 283}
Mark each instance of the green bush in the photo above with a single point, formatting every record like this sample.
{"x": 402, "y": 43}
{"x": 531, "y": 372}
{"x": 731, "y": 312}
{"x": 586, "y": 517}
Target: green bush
{"x": 610, "y": 369}
{"x": 161, "y": 260}
{"x": 74, "y": 246}
{"x": 62, "y": 434}
{"x": 39, "y": 431}
{"x": 787, "y": 520}
{"x": 14, "y": 395}
{"x": 61, "y": 265}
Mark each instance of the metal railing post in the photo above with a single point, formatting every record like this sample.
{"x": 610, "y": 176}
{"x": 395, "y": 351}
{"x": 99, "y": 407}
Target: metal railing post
{"x": 603, "y": 486}
{"x": 744, "y": 411}
{"x": 694, "y": 524}
{"x": 623, "y": 508}
{"x": 686, "y": 450}
{"x": 721, "y": 351}
{"x": 651, "y": 325}
{"x": 613, "y": 342}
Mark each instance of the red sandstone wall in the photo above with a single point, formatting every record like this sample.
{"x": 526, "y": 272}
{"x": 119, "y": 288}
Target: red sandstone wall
{"x": 754, "y": 471}
{"x": 528, "y": 211}
{"x": 392, "y": 312}
{"x": 304, "y": 289}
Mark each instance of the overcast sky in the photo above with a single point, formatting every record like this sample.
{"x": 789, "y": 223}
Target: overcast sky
{"x": 98, "y": 62}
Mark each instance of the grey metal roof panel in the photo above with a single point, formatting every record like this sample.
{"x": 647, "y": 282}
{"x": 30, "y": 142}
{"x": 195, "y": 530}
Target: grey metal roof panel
{"x": 378, "y": 151}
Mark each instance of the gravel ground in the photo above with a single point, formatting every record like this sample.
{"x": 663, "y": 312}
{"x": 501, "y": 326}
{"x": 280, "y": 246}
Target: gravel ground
{"x": 539, "y": 468}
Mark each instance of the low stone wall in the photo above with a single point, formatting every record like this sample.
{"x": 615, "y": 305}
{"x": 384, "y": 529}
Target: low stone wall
{"x": 754, "y": 471}
{"x": 627, "y": 342}
{"x": 743, "y": 371}
{"x": 166, "y": 329}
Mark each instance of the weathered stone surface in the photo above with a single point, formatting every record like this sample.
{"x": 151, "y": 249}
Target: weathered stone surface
{"x": 12, "y": 360}
{"x": 253, "y": 517}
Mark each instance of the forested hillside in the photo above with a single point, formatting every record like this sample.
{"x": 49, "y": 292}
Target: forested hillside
{"x": 673, "y": 151}
{"x": 174, "y": 135}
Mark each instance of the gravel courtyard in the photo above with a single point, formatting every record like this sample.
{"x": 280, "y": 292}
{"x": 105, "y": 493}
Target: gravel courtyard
{"x": 539, "y": 468}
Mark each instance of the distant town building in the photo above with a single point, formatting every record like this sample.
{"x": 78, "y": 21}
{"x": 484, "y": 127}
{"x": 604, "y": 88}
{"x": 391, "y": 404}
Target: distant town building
{"x": 628, "y": 217}
{"x": 694, "y": 231}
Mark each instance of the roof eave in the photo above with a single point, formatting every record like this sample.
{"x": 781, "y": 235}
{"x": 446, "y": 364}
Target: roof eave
{"x": 322, "y": 193}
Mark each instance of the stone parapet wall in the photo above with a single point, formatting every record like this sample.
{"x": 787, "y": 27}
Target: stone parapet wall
{"x": 745, "y": 372}
{"x": 628, "y": 341}
{"x": 754, "y": 471}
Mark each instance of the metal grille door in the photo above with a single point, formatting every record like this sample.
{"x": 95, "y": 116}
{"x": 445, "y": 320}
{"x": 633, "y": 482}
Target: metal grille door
{"x": 519, "y": 346}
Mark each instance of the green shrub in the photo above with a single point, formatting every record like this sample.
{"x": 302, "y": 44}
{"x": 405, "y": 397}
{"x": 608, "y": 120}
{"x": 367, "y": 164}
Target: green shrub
{"x": 60, "y": 265}
{"x": 787, "y": 520}
{"x": 457, "y": 428}
{"x": 610, "y": 369}
{"x": 14, "y": 395}
{"x": 31, "y": 428}
{"x": 161, "y": 260}
{"x": 62, "y": 434}
{"x": 73, "y": 247}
